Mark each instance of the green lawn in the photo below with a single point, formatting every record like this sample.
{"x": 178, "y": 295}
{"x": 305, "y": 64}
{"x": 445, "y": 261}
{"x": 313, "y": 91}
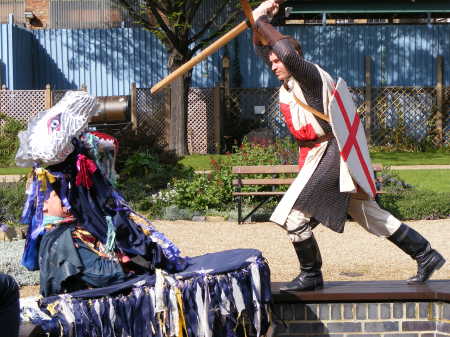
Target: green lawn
{"x": 431, "y": 180}
{"x": 200, "y": 162}
{"x": 14, "y": 170}
{"x": 203, "y": 161}
{"x": 411, "y": 158}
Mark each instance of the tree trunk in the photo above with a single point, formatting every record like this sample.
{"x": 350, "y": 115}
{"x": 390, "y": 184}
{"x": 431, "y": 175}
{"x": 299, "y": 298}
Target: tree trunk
{"x": 178, "y": 117}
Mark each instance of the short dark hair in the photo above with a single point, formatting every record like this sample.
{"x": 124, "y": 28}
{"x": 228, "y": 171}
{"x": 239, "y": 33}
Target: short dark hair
{"x": 295, "y": 44}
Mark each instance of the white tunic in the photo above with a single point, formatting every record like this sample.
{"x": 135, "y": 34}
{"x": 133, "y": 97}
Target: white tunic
{"x": 301, "y": 117}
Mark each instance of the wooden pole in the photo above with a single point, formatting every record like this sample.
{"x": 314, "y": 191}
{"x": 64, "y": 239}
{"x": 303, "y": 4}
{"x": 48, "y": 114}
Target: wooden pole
{"x": 208, "y": 51}
{"x": 368, "y": 98}
{"x": 440, "y": 99}
{"x": 200, "y": 57}
{"x": 133, "y": 108}
{"x": 166, "y": 111}
{"x": 217, "y": 118}
{"x": 48, "y": 97}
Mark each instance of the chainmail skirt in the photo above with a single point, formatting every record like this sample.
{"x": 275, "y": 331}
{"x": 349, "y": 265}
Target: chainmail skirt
{"x": 320, "y": 198}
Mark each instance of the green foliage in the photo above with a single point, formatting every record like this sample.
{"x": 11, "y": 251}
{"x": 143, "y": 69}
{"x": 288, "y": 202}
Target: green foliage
{"x": 417, "y": 205}
{"x": 201, "y": 192}
{"x": 142, "y": 176}
{"x": 12, "y": 199}
{"x": 9, "y": 142}
{"x": 146, "y": 168}
{"x": 282, "y": 152}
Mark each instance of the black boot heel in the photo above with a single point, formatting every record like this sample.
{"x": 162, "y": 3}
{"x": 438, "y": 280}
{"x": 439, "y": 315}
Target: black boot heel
{"x": 310, "y": 277}
{"x": 416, "y": 246}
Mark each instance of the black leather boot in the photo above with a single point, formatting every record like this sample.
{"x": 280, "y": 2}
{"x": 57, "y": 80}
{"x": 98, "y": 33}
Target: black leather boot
{"x": 310, "y": 277}
{"x": 416, "y": 246}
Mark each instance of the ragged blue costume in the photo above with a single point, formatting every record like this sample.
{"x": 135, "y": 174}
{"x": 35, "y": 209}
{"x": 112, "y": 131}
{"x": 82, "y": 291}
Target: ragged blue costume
{"x": 105, "y": 270}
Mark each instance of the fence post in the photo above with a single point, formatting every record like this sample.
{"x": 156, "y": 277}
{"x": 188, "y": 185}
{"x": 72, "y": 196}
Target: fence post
{"x": 440, "y": 99}
{"x": 48, "y": 97}
{"x": 368, "y": 64}
{"x": 226, "y": 80}
{"x": 133, "y": 107}
{"x": 217, "y": 118}
{"x": 167, "y": 103}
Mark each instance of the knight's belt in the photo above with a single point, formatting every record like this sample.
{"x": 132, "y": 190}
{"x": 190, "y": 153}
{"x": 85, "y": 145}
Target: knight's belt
{"x": 313, "y": 142}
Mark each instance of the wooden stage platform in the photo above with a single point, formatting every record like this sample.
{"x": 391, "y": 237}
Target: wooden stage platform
{"x": 373, "y": 307}
{"x": 351, "y": 291}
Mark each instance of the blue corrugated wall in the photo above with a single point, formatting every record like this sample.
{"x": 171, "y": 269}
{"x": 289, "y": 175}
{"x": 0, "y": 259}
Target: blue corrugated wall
{"x": 16, "y": 49}
{"x": 108, "y": 60}
{"x": 23, "y": 48}
{"x": 403, "y": 55}
{"x": 6, "y": 58}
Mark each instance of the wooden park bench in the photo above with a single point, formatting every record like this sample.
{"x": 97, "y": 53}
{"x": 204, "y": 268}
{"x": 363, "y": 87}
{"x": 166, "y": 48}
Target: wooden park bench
{"x": 273, "y": 180}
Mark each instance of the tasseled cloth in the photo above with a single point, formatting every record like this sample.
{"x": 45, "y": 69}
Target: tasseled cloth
{"x": 217, "y": 295}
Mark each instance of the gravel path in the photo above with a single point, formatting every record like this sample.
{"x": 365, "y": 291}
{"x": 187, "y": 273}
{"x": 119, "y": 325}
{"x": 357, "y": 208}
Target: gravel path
{"x": 353, "y": 255}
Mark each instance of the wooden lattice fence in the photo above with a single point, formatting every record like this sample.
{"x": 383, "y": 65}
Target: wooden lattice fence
{"x": 397, "y": 114}
{"x": 22, "y": 104}
{"x": 203, "y": 124}
{"x": 153, "y": 114}
{"x": 393, "y": 116}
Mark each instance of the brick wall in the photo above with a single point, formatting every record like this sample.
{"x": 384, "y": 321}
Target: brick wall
{"x": 40, "y": 8}
{"x": 395, "y": 319}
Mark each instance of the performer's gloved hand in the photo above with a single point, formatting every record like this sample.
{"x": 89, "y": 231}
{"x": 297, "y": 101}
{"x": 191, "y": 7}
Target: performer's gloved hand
{"x": 268, "y": 8}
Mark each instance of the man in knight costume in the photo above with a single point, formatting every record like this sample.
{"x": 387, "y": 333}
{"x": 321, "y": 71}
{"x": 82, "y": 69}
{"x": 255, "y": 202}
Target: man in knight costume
{"x": 322, "y": 192}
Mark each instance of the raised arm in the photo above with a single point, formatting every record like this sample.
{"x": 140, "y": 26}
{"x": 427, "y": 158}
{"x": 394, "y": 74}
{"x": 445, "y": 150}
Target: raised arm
{"x": 303, "y": 71}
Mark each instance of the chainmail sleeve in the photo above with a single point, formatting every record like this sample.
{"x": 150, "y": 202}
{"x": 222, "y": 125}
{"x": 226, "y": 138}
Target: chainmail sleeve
{"x": 320, "y": 197}
{"x": 303, "y": 71}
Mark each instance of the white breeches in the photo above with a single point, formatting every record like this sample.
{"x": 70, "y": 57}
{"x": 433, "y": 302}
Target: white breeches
{"x": 367, "y": 213}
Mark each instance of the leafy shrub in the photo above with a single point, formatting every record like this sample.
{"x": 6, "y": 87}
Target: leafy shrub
{"x": 12, "y": 199}
{"x": 131, "y": 143}
{"x": 282, "y": 152}
{"x": 9, "y": 142}
{"x": 142, "y": 176}
{"x": 201, "y": 192}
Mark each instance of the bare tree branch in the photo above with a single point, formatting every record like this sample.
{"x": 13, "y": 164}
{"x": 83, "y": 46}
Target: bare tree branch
{"x": 191, "y": 10}
{"x": 222, "y": 29}
{"x": 170, "y": 34}
{"x": 208, "y": 24}
{"x": 136, "y": 15}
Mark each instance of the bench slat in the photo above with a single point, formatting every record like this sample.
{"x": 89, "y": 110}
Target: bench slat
{"x": 279, "y": 169}
{"x": 263, "y": 181}
{"x": 265, "y": 169}
{"x": 274, "y": 181}
{"x": 259, "y": 193}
